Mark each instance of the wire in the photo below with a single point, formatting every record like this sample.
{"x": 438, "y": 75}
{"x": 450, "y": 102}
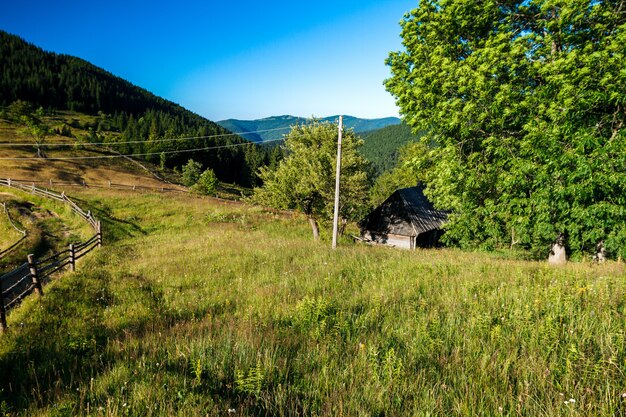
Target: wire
{"x": 146, "y": 141}
{"x": 71, "y": 158}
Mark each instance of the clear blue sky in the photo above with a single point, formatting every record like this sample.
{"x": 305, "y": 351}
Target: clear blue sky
{"x": 237, "y": 59}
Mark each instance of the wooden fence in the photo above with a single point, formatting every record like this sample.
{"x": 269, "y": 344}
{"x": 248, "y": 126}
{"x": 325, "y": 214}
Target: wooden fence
{"x": 109, "y": 184}
{"x": 31, "y": 275}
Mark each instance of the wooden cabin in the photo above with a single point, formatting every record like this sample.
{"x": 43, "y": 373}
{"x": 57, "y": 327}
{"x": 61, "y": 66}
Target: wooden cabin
{"x": 406, "y": 220}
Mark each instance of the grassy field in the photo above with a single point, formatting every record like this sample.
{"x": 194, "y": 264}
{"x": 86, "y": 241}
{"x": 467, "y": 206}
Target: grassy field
{"x": 92, "y": 171}
{"x": 8, "y": 234}
{"x": 49, "y": 225}
{"x": 196, "y": 306}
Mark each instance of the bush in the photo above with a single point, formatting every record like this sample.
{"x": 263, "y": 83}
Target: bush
{"x": 191, "y": 172}
{"x": 207, "y": 182}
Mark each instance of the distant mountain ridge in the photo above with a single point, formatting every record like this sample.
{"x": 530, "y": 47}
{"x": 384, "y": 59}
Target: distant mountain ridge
{"x": 261, "y": 130}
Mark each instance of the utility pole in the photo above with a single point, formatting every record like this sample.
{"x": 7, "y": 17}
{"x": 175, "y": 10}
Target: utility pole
{"x": 337, "y": 176}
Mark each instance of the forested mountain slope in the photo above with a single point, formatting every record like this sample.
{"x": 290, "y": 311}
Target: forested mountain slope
{"x": 127, "y": 113}
{"x": 381, "y": 146}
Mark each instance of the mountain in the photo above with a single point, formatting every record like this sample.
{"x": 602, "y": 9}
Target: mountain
{"x": 127, "y": 113}
{"x": 381, "y": 146}
{"x": 65, "y": 82}
{"x": 273, "y": 128}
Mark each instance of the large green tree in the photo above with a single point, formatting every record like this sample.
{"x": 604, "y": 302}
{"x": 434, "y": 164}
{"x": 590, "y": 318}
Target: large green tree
{"x": 305, "y": 179}
{"x": 525, "y": 103}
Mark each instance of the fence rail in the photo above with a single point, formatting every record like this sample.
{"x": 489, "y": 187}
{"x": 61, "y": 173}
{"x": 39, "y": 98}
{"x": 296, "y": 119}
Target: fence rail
{"x": 109, "y": 184}
{"x": 28, "y": 277}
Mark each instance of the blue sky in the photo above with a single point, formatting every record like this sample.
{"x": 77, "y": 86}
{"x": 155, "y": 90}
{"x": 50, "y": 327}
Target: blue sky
{"x": 238, "y": 59}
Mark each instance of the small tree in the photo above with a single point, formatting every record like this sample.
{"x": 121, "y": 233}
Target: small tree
{"x": 207, "y": 183}
{"x": 38, "y": 131}
{"x": 191, "y": 172}
{"x": 305, "y": 179}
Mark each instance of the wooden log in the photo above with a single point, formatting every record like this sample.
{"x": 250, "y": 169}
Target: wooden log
{"x": 32, "y": 266}
{"x": 99, "y": 232}
{"x": 72, "y": 258}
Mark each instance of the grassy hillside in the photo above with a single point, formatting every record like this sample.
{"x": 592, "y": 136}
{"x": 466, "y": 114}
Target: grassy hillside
{"x": 381, "y": 146}
{"x": 283, "y": 123}
{"x": 92, "y": 171}
{"x": 197, "y": 306}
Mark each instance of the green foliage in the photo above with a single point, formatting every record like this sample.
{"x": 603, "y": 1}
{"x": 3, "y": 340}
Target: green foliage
{"x": 305, "y": 179}
{"x": 408, "y": 173}
{"x": 207, "y": 182}
{"x": 251, "y": 382}
{"x": 523, "y": 102}
{"x": 191, "y": 172}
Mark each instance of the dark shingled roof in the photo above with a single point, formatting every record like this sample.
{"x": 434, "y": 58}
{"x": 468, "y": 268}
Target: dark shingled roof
{"x": 406, "y": 212}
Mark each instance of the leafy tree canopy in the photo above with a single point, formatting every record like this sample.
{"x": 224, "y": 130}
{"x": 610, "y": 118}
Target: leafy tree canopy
{"x": 525, "y": 103}
{"x": 305, "y": 179}
{"x": 207, "y": 183}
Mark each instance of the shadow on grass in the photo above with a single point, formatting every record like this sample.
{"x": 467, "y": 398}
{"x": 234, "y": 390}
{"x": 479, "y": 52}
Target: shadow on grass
{"x": 113, "y": 228}
{"x": 58, "y": 342}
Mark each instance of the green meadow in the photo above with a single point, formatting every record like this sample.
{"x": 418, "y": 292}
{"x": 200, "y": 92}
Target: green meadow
{"x": 204, "y": 307}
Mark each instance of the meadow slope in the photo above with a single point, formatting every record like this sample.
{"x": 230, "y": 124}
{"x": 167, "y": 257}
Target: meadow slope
{"x": 197, "y": 306}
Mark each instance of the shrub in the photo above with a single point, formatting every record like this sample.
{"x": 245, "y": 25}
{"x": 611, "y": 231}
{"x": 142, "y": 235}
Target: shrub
{"x": 191, "y": 172}
{"x": 207, "y": 182}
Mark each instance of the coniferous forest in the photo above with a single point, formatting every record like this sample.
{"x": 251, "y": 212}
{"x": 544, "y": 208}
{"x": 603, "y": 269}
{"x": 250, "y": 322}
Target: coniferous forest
{"x": 60, "y": 82}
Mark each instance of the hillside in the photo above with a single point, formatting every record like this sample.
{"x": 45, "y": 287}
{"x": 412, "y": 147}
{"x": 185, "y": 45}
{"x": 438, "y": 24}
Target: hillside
{"x": 65, "y": 82}
{"x": 31, "y": 78}
{"x": 182, "y": 313}
{"x": 381, "y": 146}
{"x": 279, "y": 125}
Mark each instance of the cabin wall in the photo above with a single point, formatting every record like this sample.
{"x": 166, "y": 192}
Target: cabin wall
{"x": 398, "y": 241}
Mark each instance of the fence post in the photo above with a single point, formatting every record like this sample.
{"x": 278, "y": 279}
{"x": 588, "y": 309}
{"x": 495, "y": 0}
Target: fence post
{"x": 99, "y": 233}
{"x": 9, "y": 182}
{"x": 109, "y": 184}
{"x": 72, "y": 258}
{"x": 32, "y": 265}
{"x": 3, "y": 313}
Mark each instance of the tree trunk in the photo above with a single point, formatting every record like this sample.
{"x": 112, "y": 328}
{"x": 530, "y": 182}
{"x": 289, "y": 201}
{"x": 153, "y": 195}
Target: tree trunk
{"x": 315, "y": 228}
{"x": 342, "y": 228}
{"x": 558, "y": 255}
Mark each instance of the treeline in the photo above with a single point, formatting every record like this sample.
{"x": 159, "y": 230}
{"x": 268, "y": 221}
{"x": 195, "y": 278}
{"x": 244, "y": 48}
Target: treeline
{"x": 381, "y": 147}
{"x": 61, "y": 82}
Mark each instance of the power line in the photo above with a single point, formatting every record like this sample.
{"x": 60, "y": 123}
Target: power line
{"x": 69, "y": 158}
{"x": 7, "y": 144}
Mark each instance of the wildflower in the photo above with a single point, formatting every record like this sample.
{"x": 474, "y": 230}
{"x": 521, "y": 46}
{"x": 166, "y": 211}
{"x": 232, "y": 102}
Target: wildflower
{"x": 623, "y": 394}
{"x": 231, "y": 411}
{"x": 500, "y": 409}
{"x": 572, "y": 400}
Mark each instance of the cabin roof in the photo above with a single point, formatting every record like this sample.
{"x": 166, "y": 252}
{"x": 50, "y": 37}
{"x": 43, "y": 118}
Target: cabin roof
{"x": 406, "y": 212}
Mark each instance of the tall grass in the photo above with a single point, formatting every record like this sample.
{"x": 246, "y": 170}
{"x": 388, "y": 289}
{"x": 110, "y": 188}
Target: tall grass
{"x": 196, "y": 307}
